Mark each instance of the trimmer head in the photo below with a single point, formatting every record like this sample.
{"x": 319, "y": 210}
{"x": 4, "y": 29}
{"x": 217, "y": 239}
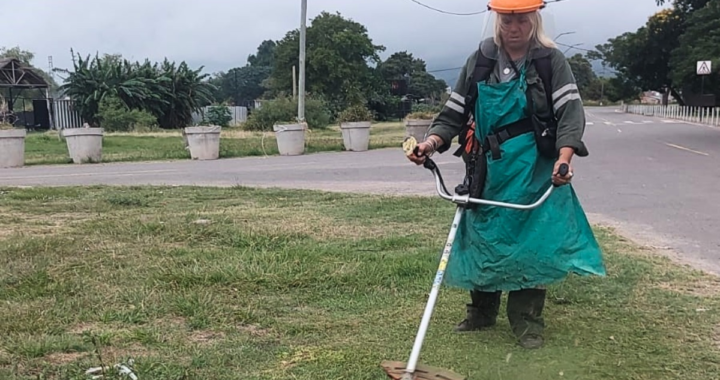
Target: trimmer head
{"x": 396, "y": 371}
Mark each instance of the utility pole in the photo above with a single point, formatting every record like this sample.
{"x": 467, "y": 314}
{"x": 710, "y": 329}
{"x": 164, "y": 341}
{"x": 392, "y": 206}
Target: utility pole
{"x": 301, "y": 90}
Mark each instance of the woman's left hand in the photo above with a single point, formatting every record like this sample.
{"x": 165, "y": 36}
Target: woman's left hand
{"x": 559, "y": 180}
{"x": 565, "y": 157}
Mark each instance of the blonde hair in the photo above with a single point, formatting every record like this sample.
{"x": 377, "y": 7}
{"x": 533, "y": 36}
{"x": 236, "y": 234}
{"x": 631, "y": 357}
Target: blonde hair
{"x": 537, "y": 33}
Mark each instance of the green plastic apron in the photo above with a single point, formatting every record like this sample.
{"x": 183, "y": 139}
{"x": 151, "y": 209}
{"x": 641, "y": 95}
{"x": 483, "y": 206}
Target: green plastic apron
{"x": 504, "y": 249}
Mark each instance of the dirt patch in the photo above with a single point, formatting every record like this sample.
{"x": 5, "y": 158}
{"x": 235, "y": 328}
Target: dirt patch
{"x": 254, "y": 330}
{"x": 116, "y": 354}
{"x": 93, "y": 327}
{"x": 205, "y": 337}
{"x": 39, "y": 223}
{"x": 61, "y": 358}
{"x": 701, "y": 288}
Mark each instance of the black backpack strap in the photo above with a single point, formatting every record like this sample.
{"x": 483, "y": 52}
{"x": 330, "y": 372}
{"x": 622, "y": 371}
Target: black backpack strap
{"x": 483, "y": 68}
{"x": 544, "y": 69}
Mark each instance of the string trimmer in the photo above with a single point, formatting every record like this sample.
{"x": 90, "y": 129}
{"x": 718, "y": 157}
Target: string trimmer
{"x": 412, "y": 370}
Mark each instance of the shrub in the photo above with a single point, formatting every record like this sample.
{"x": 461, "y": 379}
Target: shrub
{"x": 284, "y": 110}
{"x": 114, "y": 116}
{"x": 354, "y": 113}
{"x": 423, "y": 111}
{"x": 218, "y": 115}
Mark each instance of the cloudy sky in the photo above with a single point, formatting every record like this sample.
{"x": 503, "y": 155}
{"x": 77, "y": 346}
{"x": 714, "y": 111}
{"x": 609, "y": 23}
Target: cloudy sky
{"x": 219, "y": 34}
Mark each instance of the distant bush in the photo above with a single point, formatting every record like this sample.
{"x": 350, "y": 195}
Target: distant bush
{"x": 218, "y": 115}
{"x": 355, "y": 113}
{"x": 284, "y": 110}
{"x": 114, "y": 116}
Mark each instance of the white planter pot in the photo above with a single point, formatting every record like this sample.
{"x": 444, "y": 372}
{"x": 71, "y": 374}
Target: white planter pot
{"x": 290, "y": 139}
{"x": 84, "y": 144}
{"x": 356, "y": 135}
{"x": 12, "y": 148}
{"x": 204, "y": 142}
{"x": 417, "y": 128}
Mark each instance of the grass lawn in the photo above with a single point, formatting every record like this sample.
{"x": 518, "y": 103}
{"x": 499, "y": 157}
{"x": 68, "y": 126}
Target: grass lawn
{"x": 48, "y": 148}
{"x": 206, "y": 283}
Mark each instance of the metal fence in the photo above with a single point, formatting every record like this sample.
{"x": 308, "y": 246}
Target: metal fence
{"x": 64, "y": 115}
{"x": 701, "y": 115}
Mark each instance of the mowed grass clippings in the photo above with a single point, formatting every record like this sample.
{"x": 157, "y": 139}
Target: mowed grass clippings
{"x": 236, "y": 283}
{"x": 49, "y": 148}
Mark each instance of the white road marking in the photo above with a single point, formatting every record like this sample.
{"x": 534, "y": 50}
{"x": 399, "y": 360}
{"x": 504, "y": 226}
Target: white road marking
{"x": 589, "y": 123}
{"x": 687, "y": 149}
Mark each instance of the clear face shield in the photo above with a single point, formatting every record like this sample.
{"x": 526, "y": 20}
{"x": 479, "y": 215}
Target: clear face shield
{"x": 542, "y": 26}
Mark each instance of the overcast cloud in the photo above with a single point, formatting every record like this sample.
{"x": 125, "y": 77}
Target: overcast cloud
{"x": 220, "y": 34}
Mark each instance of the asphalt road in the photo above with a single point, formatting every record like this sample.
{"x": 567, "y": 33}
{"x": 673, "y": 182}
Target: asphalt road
{"x": 655, "y": 180}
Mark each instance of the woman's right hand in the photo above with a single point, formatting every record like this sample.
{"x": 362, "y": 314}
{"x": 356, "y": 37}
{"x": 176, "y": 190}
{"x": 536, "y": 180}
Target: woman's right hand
{"x": 423, "y": 150}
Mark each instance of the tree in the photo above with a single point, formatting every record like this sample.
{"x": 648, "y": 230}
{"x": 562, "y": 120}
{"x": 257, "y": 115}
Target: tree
{"x": 403, "y": 66}
{"x": 338, "y": 53}
{"x": 168, "y": 91}
{"x": 240, "y": 84}
{"x": 246, "y": 83}
{"x": 642, "y": 57}
{"x": 700, "y": 42}
{"x": 265, "y": 56}
{"x": 583, "y": 72}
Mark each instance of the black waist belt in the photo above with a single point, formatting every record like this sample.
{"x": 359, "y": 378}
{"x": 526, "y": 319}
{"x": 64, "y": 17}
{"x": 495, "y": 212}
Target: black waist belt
{"x": 493, "y": 141}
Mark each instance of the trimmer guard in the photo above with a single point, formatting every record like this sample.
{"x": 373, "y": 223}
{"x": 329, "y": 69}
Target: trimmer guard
{"x": 396, "y": 371}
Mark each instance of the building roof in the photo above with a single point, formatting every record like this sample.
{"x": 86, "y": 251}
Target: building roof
{"x": 16, "y": 74}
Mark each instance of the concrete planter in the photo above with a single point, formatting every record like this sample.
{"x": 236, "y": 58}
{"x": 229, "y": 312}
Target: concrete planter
{"x": 12, "y": 148}
{"x": 203, "y": 142}
{"x": 290, "y": 139}
{"x": 417, "y": 128}
{"x": 84, "y": 144}
{"x": 356, "y": 135}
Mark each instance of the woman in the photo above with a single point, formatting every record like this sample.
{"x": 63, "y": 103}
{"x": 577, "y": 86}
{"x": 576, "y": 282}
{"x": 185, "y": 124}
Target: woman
{"x": 517, "y": 251}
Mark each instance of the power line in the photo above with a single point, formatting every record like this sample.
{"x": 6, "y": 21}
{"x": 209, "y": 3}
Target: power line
{"x": 446, "y": 12}
{"x": 464, "y": 14}
{"x": 440, "y": 70}
{"x": 574, "y": 47}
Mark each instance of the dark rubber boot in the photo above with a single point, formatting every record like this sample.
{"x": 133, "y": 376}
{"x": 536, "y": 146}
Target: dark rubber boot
{"x": 482, "y": 312}
{"x": 524, "y": 309}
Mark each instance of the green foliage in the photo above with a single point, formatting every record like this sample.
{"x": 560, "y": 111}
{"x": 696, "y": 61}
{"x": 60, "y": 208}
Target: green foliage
{"x": 284, "y": 110}
{"x": 354, "y": 113}
{"x": 337, "y": 61}
{"x": 168, "y": 91}
{"x": 115, "y": 116}
{"x": 662, "y": 53}
{"x": 218, "y": 115}
{"x": 421, "y": 84}
{"x": 265, "y": 56}
{"x": 583, "y": 72}
{"x": 423, "y": 111}
{"x": 240, "y": 84}
{"x": 700, "y": 42}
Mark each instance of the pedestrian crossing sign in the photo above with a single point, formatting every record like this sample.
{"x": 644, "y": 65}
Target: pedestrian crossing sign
{"x": 704, "y": 67}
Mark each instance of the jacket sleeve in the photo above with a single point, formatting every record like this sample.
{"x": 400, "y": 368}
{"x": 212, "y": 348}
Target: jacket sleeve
{"x": 568, "y": 106}
{"x": 450, "y": 121}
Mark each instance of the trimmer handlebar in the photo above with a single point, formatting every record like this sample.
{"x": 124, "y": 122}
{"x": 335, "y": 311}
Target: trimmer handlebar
{"x": 465, "y": 199}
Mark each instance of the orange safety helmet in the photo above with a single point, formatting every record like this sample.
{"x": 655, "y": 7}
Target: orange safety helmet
{"x": 515, "y": 6}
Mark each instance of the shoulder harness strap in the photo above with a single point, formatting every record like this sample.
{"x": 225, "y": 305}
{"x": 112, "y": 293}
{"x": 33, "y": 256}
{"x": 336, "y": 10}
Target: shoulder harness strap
{"x": 544, "y": 69}
{"x": 483, "y": 68}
